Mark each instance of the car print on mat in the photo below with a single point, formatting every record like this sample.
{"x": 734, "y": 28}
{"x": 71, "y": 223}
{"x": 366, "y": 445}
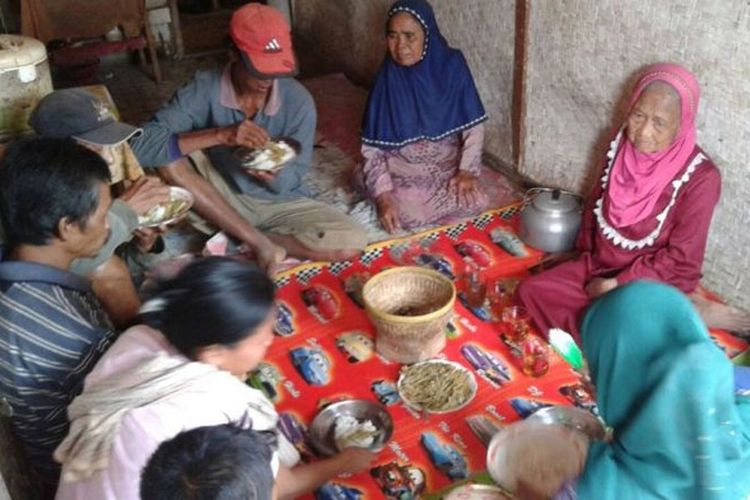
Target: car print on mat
{"x": 480, "y": 312}
{"x": 399, "y": 482}
{"x": 386, "y": 392}
{"x": 488, "y": 365}
{"x": 444, "y": 456}
{"x": 451, "y": 330}
{"x": 436, "y": 262}
{"x": 266, "y": 378}
{"x": 296, "y": 433}
{"x": 508, "y": 241}
{"x": 356, "y": 346}
{"x": 321, "y": 302}
{"x": 353, "y": 285}
{"x": 474, "y": 252}
{"x": 312, "y": 364}
{"x": 337, "y": 491}
{"x": 580, "y": 397}
{"x": 284, "y": 324}
{"x": 525, "y": 407}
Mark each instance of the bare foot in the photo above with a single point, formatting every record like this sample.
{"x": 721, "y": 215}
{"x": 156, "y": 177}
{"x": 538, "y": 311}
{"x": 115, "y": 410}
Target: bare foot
{"x": 718, "y": 315}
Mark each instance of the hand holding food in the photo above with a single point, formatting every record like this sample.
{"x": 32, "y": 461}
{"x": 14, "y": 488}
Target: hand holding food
{"x": 145, "y": 238}
{"x": 145, "y": 194}
{"x": 268, "y": 158}
{"x": 176, "y": 206}
{"x": 246, "y": 133}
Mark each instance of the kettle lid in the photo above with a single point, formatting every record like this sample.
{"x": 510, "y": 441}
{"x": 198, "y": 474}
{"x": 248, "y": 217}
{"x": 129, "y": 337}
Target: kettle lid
{"x": 556, "y": 201}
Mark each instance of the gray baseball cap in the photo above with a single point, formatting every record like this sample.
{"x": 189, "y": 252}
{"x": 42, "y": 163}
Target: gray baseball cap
{"x": 77, "y": 113}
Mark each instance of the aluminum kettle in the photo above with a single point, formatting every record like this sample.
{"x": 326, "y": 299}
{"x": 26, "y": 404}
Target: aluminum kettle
{"x": 550, "y": 219}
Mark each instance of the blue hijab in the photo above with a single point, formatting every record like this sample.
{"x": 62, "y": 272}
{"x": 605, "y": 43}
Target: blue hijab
{"x": 668, "y": 392}
{"x": 430, "y": 100}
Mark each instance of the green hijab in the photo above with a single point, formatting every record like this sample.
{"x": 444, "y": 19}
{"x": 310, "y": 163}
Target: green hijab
{"x": 668, "y": 391}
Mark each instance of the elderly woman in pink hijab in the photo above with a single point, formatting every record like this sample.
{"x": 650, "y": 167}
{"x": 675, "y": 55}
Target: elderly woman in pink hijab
{"x": 649, "y": 213}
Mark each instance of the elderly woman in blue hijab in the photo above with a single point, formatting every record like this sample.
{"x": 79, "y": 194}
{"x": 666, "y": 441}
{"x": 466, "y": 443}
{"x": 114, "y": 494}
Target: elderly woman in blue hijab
{"x": 680, "y": 431}
{"x": 423, "y": 128}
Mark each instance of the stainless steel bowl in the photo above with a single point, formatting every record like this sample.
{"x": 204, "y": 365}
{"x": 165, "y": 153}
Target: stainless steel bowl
{"x": 323, "y": 425}
{"x": 175, "y": 194}
{"x": 575, "y": 418}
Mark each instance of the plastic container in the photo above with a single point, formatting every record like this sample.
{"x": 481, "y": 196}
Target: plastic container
{"x": 25, "y": 80}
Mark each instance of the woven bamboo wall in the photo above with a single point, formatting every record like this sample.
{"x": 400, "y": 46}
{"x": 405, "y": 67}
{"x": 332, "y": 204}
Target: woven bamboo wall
{"x": 349, "y": 36}
{"x": 582, "y": 58}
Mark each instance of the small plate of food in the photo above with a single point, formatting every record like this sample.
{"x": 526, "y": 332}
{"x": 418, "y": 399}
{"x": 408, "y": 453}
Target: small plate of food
{"x": 271, "y": 157}
{"x": 351, "y": 423}
{"x": 180, "y": 201}
{"x": 436, "y": 386}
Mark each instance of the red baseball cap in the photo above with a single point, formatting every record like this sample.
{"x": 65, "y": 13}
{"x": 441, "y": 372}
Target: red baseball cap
{"x": 261, "y": 34}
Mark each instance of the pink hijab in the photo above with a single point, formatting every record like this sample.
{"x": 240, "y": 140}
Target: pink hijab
{"x": 637, "y": 179}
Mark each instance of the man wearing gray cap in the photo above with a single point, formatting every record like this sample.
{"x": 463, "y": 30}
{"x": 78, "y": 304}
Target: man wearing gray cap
{"x": 78, "y": 114}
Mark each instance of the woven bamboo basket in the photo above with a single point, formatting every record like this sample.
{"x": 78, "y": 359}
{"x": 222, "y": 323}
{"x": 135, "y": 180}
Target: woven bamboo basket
{"x": 408, "y": 339}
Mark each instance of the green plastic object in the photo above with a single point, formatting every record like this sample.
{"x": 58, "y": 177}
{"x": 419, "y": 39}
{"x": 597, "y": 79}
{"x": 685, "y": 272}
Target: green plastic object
{"x": 562, "y": 342}
{"x": 742, "y": 359}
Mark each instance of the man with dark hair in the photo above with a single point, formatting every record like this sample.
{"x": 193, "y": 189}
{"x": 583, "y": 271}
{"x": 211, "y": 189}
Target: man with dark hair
{"x": 54, "y": 198}
{"x": 220, "y": 462}
{"x": 251, "y": 101}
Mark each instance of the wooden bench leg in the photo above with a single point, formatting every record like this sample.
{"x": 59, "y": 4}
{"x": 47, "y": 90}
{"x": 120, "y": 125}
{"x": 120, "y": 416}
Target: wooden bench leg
{"x": 156, "y": 70}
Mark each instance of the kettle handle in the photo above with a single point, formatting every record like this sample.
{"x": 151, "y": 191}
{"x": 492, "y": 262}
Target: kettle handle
{"x": 530, "y": 194}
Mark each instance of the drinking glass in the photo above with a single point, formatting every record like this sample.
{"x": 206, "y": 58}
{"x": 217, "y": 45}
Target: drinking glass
{"x": 535, "y": 357}
{"x": 517, "y": 320}
{"x": 499, "y": 299}
{"x": 474, "y": 286}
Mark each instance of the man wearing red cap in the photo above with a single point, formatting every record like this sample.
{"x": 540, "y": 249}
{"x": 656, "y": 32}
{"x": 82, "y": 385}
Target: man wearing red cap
{"x": 250, "y": 101}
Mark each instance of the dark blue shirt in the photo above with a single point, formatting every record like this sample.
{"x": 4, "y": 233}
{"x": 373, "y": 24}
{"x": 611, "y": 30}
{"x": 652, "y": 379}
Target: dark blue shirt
{"x": 52, "y": 331}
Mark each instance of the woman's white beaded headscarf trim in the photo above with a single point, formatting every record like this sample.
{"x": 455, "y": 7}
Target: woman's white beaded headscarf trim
{"x": 419, "y": 18}
{"x": 611, "y": 232}
{"x": 422, "y": 137}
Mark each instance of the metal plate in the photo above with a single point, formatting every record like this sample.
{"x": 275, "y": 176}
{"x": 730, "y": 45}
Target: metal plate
{"x": 324, "y": 424}
{"x": 469, "y": 375}
{"x": 176, "y": 194}
{"x": 472, "y": 491}
{"x": 250, "y": 158}
{"x": 575, "y": 418}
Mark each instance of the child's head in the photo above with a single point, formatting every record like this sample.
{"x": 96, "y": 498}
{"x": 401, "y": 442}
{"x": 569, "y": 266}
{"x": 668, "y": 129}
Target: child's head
{"x": 222, "y": 462}
{"x": 216, "y": 310}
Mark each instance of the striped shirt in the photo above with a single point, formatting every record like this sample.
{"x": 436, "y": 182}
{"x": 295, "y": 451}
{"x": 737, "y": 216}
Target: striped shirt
{"x": 52, "y": 332}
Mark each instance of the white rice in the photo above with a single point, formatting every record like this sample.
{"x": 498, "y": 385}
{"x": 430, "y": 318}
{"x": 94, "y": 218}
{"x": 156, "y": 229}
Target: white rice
{"x": 350, "y": 432}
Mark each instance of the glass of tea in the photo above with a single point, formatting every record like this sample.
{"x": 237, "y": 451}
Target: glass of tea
{"x": 517, "y": 320}
{"x": 535, "y": 357}
{"x": 474, "y": 286}
{"x": 499, "y": 299}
